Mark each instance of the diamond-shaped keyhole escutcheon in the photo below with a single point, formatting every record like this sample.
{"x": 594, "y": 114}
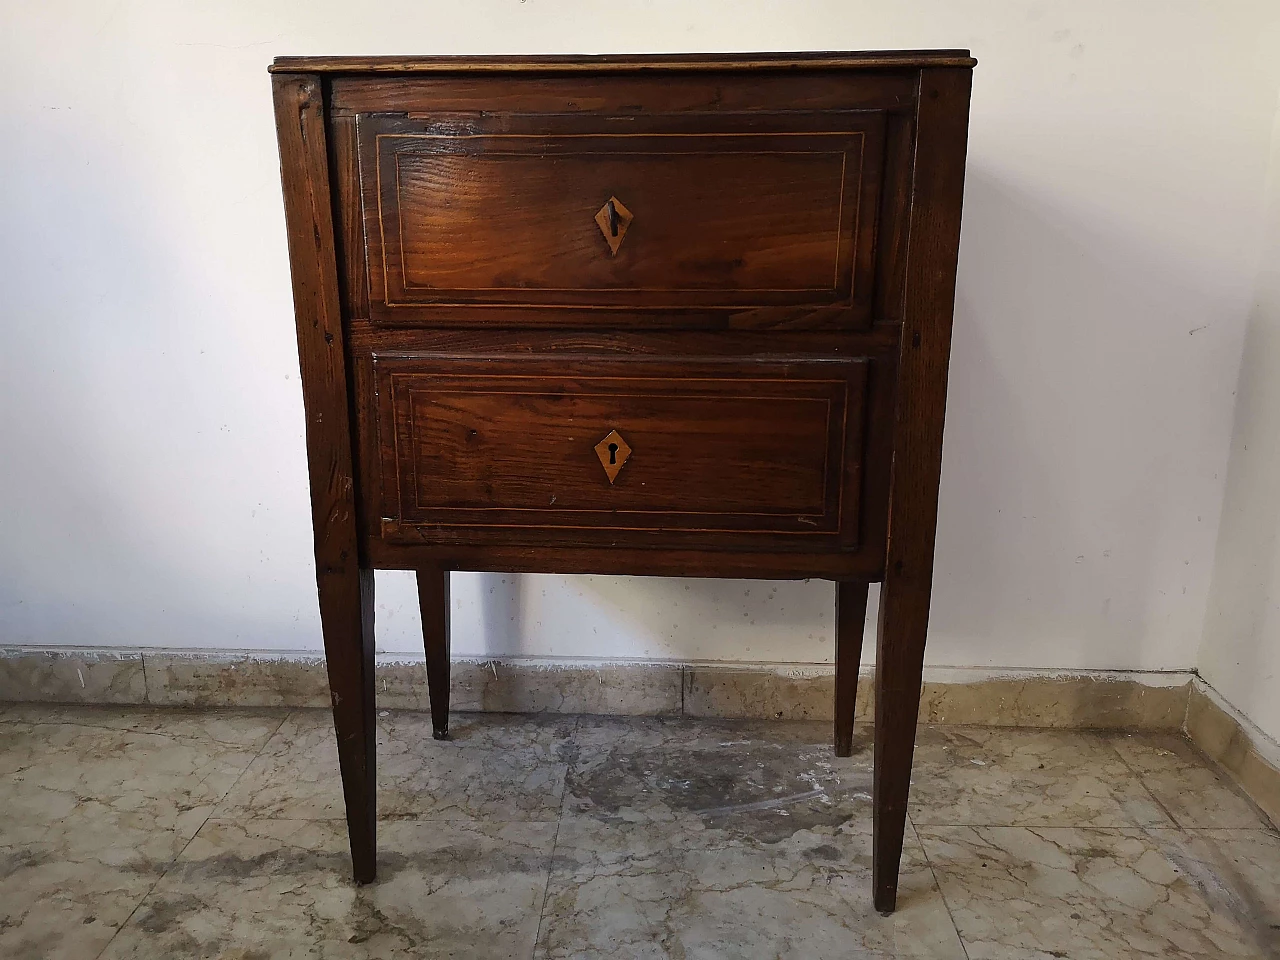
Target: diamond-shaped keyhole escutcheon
{"x": 613, "y": 219}
{"x": 613, "y": 452}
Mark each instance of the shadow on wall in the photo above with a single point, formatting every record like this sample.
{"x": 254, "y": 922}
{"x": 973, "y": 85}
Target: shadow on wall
{"x": 1077, "y": 439}
{"x": 642, "y": 617}
{"x": 502, "y": 619}
{"x": 1244, "y": 609}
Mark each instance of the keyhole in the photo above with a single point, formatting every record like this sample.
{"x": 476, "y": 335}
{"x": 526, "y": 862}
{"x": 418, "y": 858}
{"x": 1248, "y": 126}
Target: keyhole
{"x": 613, "y": 453}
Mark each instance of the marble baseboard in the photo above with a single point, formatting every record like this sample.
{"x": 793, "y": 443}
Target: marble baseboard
{"x": 1241, "y": 749}
{"x": 1128, "y": 701}
{"x": 951, "y": 695}
{"x": 176, "y": 679}
{"x": 72, "y": 676}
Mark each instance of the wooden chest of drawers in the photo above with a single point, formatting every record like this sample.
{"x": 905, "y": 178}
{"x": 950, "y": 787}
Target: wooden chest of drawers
{"x": 677, "y": 315}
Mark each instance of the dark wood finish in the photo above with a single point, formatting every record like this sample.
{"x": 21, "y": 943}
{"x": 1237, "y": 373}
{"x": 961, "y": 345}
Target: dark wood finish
{"x": 682, "y": 315}
{"x": 433, "y": 601}
{"x": 728, "y": 218}
{"x": 629, "y": 62}
{"x": 345, "y": 590}
{"x": 421, "y": 95}
{"x": 353, "y": 282}
{"x": 725, "y": 452}
{"x": 617, "y": 559}
{"x": 851, "y": 618}
{"x": 863, "y": 558}
{"x": 942, "y": 123}
{"x": 879, "y": 343}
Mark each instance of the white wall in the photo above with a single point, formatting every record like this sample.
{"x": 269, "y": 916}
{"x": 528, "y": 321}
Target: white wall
{"x": 153, "y": 477}
{"x": 1240, "y": 653}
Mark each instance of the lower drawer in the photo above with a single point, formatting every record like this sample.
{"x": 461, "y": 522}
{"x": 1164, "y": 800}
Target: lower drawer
{"x": 620, "y": 451}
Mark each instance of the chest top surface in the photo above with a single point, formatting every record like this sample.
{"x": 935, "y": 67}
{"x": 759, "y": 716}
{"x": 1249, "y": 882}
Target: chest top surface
{"x": 628, "y": 62}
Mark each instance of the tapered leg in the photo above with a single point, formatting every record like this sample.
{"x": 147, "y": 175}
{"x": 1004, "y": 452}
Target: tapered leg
{"x": 346, "y": 615}
{"x": 851, "y": 615}
{"x": 937, "y": 191}
{"x": 904, "y": 618}
{"x": 346, "y": 592}
{"x": 433, "y": 600}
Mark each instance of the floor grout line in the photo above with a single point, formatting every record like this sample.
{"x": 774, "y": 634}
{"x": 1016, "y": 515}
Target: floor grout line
{"x": 1225, "y": 777}
{"x": 150, "y": 890}
{"x": 938, "y": 883}
{"x": 240, "y": 776}
{"x": 146, "y": 684}
{"x": 555, "y": 840}
{"x": 1142, "y": 780}
{"x": 172, "y": 862}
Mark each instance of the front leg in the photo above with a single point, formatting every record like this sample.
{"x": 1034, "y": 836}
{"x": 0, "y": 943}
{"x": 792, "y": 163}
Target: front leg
{"x": 904, "y": 618}
{"x": 937, "y": 188}
{"x": 346, "y": 591}
{"x": 346, "y": 617}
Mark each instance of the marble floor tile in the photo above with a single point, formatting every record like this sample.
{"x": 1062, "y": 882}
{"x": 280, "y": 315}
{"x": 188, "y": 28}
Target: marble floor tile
{"x": 277, "y": 889}
{"x": 94, "y": 805}
{"x": 1089, "y": 894}
{"x": 496, "y": 767}
{"x": 1186, "y": 783}
{"x": 1237, "y": 872}
{"x": 1012, "y": 777}
{"x": 726, "y": 839}
{"x": 139, "y": 833}
{"x": 684, "y": 888}
{"x": 231, "y": 725}
{"x": 58, "y": 902}
{"x": 493, "y": 767}
{"x": 783, "y": 773}
{"x": 79, "y": 768}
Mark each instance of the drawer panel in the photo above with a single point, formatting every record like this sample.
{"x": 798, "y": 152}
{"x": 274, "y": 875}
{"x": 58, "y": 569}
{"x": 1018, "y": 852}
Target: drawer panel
{"x": 605, "y": 219}
{"x": 585, "y": 449}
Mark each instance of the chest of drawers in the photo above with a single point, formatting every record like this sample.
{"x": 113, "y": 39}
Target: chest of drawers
{"x": 667, "y": 315}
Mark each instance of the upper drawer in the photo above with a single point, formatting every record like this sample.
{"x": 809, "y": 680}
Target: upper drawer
{"x": 679, "y": 220}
